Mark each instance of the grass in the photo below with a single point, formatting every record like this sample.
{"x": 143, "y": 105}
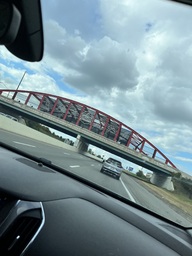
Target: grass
{"x": 178, "y": 198}
{"x": 135, "y": 176}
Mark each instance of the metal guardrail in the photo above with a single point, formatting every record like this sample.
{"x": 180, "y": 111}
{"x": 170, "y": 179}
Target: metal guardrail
{"x": 89, "y": 134}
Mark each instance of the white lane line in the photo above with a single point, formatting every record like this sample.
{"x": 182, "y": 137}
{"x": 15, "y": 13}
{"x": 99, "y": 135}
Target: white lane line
{"x": 74, "y": 166}
{"x": 92, "y": 165}
{"x": 129, "y": 194}
{"x": 67, "y": 154}
{"x": 24, "y": 144}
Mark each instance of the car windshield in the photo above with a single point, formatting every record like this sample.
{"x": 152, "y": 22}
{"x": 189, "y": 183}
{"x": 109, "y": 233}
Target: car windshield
{"x": 114, "y": 83}
{"x": 114, "y": 162}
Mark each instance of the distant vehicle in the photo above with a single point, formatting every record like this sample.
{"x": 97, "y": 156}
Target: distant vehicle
{"x": 148, "y": 175}
{"x": 113, "y": 167}
{"x": 11, "y": 117}
{"x": 14, "y": 119}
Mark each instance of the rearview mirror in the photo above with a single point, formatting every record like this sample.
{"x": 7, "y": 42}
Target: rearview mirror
{"x": 21, "y": 29}
{"x": 10, "y": 19}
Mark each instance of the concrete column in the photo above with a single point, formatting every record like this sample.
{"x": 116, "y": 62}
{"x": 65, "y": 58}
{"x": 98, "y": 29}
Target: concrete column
{"x": 162, "y": 180}
{"x": 81, "y": 144}
{"x": 21, "y": 120}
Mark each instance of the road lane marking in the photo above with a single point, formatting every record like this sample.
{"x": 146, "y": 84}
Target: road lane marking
{"x": 129, "y": 194}
{"x": 92, "y": 165}
{"x": 74, "y": 166}
{"x": 66, "y": 154}
{"x": 24, "y": 144}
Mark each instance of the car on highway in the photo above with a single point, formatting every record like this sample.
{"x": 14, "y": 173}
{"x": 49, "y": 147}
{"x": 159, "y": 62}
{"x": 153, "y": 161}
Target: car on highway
{"x": 132, "y": 59}
{"x": 112, "y": 167}
{"x": 2, "y": 114}
{"x": 9, "y": 116}
{"x": 12, "y": 118}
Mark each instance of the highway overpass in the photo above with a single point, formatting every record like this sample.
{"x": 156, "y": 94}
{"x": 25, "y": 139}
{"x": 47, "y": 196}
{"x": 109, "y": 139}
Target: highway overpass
{"x": 92, "y": 127}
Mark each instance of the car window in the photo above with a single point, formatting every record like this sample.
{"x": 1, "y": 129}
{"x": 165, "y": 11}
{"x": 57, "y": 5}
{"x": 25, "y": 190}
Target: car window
{"x": 114, "y": 162}
{"x": 114, "y": 86}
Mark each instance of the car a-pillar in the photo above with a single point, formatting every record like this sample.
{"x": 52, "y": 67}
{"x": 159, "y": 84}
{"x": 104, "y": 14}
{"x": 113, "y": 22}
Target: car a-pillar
{"x": 162, "y": 180}
{"x": 81, "y": 144}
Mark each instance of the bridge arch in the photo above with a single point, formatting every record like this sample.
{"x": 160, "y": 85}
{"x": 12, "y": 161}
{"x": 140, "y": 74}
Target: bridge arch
{"x": 88, "y": 118}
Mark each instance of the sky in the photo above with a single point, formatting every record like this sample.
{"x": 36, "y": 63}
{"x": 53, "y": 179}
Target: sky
{"x": 130, "y": 59}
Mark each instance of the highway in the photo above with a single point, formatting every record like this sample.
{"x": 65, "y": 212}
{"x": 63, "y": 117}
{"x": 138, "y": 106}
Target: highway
{"x": 90, "y": 169}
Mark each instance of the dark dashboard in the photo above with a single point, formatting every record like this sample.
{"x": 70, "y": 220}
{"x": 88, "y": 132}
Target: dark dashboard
{"x": 44, "y": 212}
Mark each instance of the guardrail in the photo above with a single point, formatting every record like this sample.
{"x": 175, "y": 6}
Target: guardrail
{"x": 89, "y": 134}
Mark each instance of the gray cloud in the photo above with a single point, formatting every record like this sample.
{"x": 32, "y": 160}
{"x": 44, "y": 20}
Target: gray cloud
{"x": 169, "y": 87}
{"x": 106, "y": 65}
{"x": 174, "y": 105}
{"x": 61, "y": 46}
{"x": 91, "y": 67}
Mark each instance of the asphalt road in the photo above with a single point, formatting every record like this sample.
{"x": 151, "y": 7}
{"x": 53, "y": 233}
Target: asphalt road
{"x": 90, "y": 169}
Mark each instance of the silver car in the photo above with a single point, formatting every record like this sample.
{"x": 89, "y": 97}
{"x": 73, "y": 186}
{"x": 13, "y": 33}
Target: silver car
{"x": 113, "y": 167}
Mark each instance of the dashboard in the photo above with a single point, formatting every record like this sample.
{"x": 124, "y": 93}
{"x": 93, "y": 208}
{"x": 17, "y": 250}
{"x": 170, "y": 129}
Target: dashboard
{"x": 44, "y": 212}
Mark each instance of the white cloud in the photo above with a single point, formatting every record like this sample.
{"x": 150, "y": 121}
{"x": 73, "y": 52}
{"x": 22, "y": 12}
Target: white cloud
{"x": 184, "y": 159}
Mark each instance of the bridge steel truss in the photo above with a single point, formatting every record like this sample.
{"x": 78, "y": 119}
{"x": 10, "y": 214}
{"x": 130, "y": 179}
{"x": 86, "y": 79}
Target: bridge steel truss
{"x": 89, "y": 118}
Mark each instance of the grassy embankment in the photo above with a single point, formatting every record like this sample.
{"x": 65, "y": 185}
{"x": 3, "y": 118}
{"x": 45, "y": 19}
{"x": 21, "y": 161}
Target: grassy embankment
{"x": 181, "y": 197}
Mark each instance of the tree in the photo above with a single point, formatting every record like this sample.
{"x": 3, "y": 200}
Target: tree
{"x": 43, "y": 129}
{"x": 140, "y": 174}
{"x": 177, "y": 175}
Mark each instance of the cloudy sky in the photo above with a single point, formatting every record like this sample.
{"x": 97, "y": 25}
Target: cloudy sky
{"x": 130, "y": 59}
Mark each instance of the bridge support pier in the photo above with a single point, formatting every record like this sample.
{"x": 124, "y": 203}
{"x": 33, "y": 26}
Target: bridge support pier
{"x": 81, "y": 144}
{"x": 162, "y": 180}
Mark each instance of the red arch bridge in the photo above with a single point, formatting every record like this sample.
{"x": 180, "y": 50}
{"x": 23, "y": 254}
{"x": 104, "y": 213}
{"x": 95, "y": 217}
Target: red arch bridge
{"x": 92, "y": 127}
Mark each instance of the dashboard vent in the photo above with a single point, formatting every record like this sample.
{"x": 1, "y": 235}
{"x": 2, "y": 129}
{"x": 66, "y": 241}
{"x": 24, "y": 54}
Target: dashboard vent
{"x": 19, "y": 235}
